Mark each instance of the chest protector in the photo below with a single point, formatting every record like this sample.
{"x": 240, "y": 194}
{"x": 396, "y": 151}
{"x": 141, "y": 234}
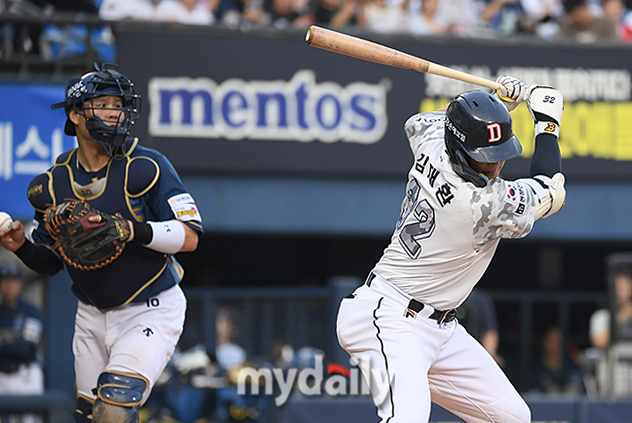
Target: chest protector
{"x": 137, "y": 267}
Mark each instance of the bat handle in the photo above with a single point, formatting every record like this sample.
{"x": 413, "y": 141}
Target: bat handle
{"x": 437, "y": 69}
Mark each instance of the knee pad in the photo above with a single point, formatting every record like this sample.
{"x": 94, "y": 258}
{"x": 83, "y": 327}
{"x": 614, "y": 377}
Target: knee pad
{"x": 123, "y": 389}
{"x": 83, "y": 413}
{"x": 118, "y": 397}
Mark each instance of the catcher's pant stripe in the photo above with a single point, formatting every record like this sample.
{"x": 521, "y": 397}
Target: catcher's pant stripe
{"x": 377, "y": 335}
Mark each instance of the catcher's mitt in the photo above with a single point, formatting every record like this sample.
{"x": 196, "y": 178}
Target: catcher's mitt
{"x": 84, "y": 244}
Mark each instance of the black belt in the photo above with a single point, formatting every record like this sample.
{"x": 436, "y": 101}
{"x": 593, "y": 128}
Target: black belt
{"x": 441, "y": 316}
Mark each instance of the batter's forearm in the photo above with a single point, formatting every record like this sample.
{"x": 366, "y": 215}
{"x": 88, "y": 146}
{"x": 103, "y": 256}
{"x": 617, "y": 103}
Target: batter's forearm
{"x": 546, "y": 105}
{"x": 546, "y": 158}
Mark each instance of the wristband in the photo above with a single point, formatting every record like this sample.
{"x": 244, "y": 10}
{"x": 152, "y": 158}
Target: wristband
{"x": 167, "y": 237}
{"x": 542, "y": 127}
{"x": 142, "y": 232}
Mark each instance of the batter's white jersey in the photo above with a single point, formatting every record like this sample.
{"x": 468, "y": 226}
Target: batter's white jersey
{"x": 449, "y": 229}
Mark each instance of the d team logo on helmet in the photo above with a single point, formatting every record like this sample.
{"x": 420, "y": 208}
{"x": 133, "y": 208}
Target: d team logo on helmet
{"x": 495, "y": 132}
{"x": 296, "y": 110}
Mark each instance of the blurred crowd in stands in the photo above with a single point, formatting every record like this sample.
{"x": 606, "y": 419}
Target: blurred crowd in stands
{"x": 586, "y": 20}
{"x": 581, "y": 20}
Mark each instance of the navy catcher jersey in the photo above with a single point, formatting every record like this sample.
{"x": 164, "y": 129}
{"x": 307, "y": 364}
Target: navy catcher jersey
{"x": 141, "y": 186}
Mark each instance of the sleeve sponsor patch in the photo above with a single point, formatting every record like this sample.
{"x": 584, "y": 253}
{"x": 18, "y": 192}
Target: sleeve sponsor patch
{"x": 517, "y": 197}
{"x": 186, "y": 212}
{"x": 179, "y": 199}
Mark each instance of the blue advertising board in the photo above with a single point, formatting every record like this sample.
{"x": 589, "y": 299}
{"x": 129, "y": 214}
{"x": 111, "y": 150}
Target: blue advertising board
{"x": 31, "y": 136}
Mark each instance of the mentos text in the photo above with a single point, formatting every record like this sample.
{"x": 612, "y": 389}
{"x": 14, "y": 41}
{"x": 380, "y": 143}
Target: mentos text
{"x": 296, "y": 110}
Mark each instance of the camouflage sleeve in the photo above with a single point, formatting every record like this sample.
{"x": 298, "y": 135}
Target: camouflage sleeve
{"x": 503, "y": 209}
{"x": 423, "y": 127}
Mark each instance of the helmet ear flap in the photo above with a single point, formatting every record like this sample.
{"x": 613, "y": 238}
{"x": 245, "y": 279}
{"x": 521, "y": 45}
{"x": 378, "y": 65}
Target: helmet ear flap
{"x": 458, "y": 159}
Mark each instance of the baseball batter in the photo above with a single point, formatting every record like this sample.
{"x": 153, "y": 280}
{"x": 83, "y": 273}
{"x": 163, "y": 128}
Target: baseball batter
{"x": 400, "y": 326}
{"x": 131, "y": 311}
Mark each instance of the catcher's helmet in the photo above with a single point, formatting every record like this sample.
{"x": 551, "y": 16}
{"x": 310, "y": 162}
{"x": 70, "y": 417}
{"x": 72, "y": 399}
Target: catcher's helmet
{"x": 479, "y": 125}
{"x": 103, "y": 81}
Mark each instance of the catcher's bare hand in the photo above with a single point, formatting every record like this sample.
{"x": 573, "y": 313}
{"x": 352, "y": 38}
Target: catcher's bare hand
{"x": 86, "y": 238}
{"x": 15, "y": 238}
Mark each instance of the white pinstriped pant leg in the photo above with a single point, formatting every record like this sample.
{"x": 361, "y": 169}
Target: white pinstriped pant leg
{"x": 373, "y": 330}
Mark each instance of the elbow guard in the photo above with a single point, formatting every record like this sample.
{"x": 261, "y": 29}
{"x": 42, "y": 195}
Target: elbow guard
{"x": 550, "y": 194}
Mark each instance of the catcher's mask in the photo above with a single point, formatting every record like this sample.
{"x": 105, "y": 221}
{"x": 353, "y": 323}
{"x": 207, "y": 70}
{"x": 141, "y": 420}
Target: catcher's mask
{"x": 478, "y": 126}
{"x": 80, "y": 95}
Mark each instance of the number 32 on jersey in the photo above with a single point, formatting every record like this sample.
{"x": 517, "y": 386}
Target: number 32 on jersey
{"x": 420, "y": 225}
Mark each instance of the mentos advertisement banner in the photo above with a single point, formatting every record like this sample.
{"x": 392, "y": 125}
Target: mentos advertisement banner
{"x": 299, "y": 110}
{"x": 31, "y": 136}
{"x": 220, "y": 101}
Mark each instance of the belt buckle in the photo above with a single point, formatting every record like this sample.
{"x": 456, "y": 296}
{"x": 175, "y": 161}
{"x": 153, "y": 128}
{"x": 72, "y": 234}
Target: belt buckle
{"x": 445, "y": 315}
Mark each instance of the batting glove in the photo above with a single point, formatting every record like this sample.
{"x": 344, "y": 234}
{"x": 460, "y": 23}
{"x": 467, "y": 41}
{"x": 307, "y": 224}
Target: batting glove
{"x": 512, "y": 91}
{"x": 546, "y": 105}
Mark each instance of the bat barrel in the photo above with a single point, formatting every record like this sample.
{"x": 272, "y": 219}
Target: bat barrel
{"x": 362, "y": 49}
{"x": 373, "y": 52}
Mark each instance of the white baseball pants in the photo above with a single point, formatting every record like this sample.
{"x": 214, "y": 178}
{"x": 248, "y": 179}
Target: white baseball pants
{"x": 139, "y": 338}
{"x": 410, "y": 361}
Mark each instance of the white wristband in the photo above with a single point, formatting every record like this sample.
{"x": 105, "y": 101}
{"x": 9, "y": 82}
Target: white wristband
{"x": 547, "y": 128}
{"x": 168, "y": 236}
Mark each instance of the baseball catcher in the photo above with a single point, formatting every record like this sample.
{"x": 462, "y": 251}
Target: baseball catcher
{"x": 113, "y": 214}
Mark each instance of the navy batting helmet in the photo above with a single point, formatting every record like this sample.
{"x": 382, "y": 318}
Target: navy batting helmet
{"x": 479, "y": 125}
{"x": 103, "y": 81}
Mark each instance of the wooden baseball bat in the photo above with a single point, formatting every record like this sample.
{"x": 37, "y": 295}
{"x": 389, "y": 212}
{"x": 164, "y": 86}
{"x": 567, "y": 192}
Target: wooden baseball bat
{"x": 367, "y": 50}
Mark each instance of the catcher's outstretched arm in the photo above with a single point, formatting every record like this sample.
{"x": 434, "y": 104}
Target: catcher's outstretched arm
{"x": 36, "y": 257}
{"x": 39, "y": 258}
